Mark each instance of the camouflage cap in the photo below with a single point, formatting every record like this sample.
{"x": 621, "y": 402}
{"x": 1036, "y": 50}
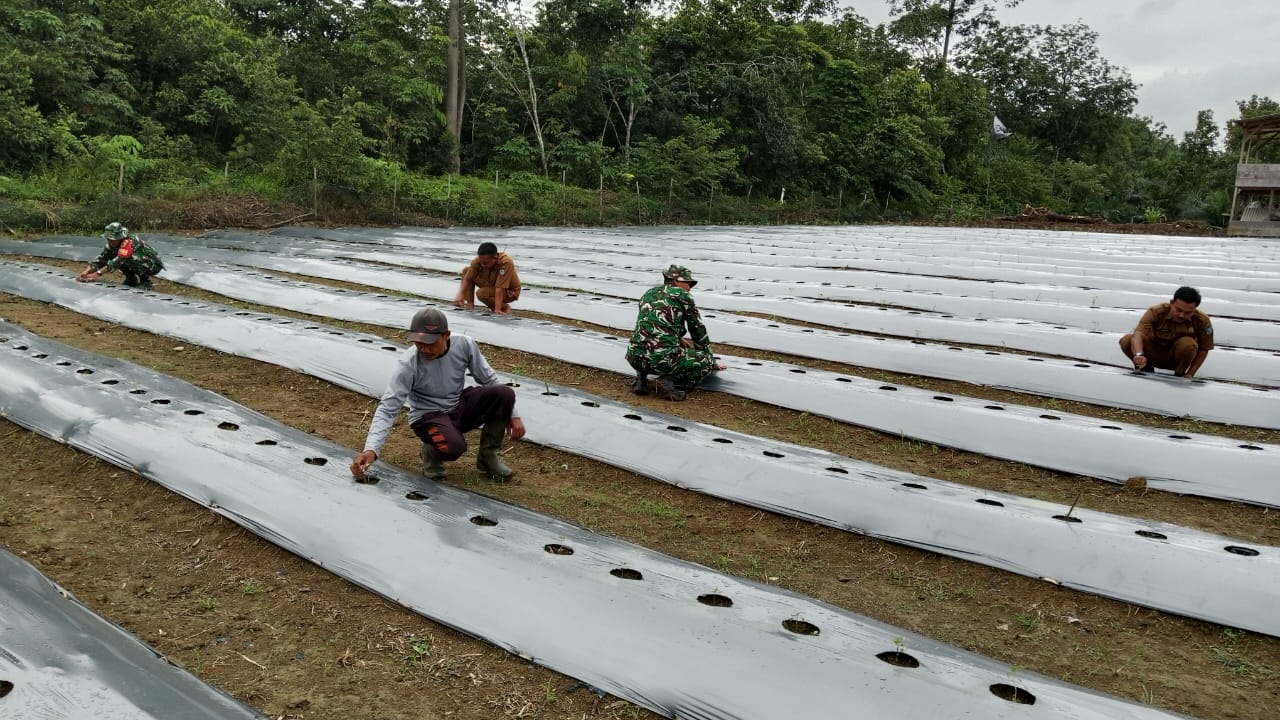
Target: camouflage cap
{"x": 679, "y": 273}
{"x": 116, "y": 231}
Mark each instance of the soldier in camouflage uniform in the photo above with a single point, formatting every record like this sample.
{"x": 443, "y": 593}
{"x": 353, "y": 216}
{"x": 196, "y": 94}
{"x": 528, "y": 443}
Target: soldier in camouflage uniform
{"x": 658, "y": 345}
{"x": 133, "y": 258}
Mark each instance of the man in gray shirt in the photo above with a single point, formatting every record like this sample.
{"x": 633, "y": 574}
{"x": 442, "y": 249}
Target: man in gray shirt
{"x": 430, "y": 378}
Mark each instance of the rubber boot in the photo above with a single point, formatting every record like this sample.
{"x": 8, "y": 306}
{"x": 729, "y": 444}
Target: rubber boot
{"x": 487, "y": 459}
{"x": 432, "y": 466}
{"x": 640, "y": 386}
{"x": 668, "y": 388}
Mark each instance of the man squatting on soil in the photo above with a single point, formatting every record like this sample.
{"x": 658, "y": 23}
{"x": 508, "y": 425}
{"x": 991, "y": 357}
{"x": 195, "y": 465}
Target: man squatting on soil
{"x": 658, "y": 345}
{"x": 136, "y": 260}
{"x": 430, "y": 377}
{"x": 492, "y": 278}
{"x": 1174, "y": 336}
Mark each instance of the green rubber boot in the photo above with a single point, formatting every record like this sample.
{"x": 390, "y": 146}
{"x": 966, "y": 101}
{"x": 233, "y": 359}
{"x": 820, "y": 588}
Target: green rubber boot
{"x": 432, "y": 466}
{"x": 487, "y": 459}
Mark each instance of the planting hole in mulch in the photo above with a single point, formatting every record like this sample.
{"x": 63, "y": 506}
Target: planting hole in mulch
{"x": 800, "y": 627}
{"x": 898, "y": 658}
{"x": 1015, "y": 695}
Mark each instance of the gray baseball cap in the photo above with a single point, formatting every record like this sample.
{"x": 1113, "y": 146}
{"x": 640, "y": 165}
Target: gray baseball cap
{"x": 427, "y": 326}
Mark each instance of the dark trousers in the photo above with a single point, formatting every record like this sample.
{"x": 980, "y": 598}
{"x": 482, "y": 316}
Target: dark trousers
{"x": 136, "y": 273}
{"x": 134, "y": 279}
{"x": 479, "y": 405}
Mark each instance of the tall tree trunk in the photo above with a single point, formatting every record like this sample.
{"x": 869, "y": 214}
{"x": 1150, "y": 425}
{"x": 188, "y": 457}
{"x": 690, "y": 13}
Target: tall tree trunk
{"x": 946, "y": 38}
{"x": 456, "y": 89}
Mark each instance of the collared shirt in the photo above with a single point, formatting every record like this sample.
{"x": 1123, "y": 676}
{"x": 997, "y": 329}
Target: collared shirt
{"x": 1157, "y": 326}
{"x": 429, "y": 385}
{"x": 501, "y": 276}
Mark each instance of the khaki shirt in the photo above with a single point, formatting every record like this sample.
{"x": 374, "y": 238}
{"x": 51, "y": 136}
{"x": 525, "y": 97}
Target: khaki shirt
{"x": 1156, "y": 326}
{"x": 501, "y": 276}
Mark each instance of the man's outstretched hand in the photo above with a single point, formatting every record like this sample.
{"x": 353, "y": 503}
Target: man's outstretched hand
{"x": 361, "y": 463}
{"x": 515, "y": 429}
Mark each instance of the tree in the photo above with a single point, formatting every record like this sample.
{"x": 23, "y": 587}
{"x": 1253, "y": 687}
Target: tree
{"x": 1255, "y": 106}
{"x": 59, "y": 74}
{"x": 456, "y": 86}
{"x": 688, "y": 163}
{"x": 514, "y": 67}
{"x": 389, "y": 61}
{"x": 308, "y": 35}
{"x": 927, "y": 26}
{"x": 1051, "y": 82}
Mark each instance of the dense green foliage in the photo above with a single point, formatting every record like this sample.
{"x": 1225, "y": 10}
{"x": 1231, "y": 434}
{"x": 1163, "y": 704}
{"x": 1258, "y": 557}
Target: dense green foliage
{"x": 588, "y": 111}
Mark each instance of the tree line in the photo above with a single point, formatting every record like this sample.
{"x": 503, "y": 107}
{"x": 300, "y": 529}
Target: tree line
{"x": 456, "y": 108}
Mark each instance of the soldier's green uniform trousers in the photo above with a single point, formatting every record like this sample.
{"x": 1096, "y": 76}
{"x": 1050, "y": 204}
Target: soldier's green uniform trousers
{"x": 687, "y": 367}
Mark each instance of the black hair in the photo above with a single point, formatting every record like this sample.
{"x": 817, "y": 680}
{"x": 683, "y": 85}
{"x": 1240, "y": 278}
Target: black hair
{"x": 487, "y": 248}
{"x": 1187, "y": 294}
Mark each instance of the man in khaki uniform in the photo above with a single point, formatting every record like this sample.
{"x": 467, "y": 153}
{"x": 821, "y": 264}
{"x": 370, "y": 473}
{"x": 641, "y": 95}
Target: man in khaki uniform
{"x": 1174, "y": 336}
{"x": 492, "y": 278}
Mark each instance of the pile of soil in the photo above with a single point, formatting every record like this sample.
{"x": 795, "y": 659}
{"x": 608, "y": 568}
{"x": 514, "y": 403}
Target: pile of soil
{"x": 1041, "y": 218}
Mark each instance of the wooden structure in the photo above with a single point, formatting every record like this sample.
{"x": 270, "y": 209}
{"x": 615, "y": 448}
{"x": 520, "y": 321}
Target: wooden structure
{"x": 1255, "y": 207}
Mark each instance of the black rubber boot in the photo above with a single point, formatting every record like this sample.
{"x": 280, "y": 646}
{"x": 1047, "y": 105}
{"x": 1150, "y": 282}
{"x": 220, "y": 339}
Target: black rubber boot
{"x": 432, "y": 466}
{"x": 640, "y": 385}
{"x": 668, "y": 388}
{"x": 487, "y": 459}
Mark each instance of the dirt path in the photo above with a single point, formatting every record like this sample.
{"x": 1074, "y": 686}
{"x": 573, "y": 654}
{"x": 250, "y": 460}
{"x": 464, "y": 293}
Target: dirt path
{"x": 298, "y": 642}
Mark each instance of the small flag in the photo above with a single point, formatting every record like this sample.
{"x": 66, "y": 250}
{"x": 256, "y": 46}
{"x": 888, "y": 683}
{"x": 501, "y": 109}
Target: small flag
{"x": 998, "y": 129}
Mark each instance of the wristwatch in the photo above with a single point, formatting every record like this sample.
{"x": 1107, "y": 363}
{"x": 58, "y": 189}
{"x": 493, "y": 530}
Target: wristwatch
{"x": 1139, "y": 355}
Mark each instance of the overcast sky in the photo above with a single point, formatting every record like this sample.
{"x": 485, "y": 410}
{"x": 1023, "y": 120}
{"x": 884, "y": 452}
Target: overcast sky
{"x": 1185, "y": 55}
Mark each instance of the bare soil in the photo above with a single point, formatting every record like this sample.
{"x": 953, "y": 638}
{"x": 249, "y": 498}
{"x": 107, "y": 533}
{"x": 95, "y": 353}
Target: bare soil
{"x": 298, "y": 642}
